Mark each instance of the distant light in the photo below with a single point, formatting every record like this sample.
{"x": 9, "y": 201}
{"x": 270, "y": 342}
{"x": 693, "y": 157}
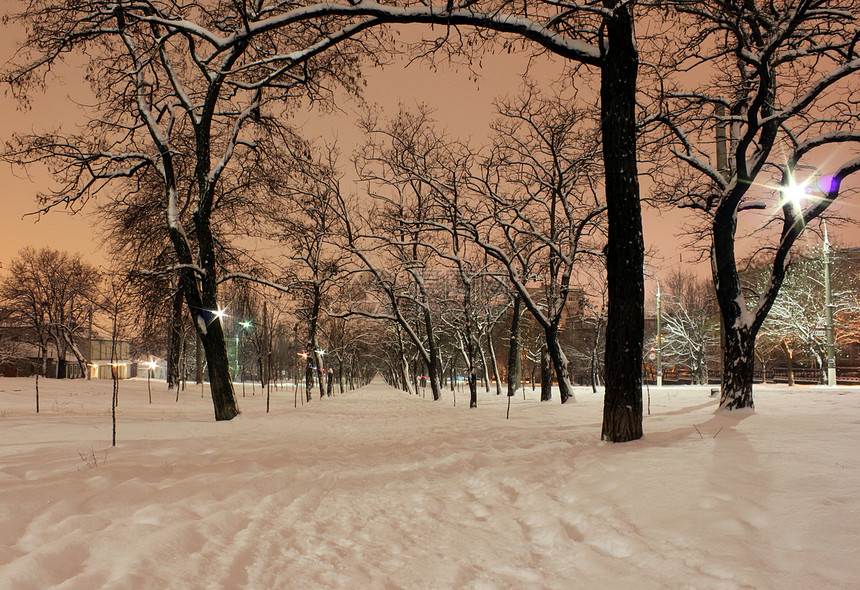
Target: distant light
{"x": 245, "y": 325}
{"x": 304, "y": 355}
{"x": 320, "y": 352}
{"x": 220, "y": 313}
{"x": 151, "y": 364}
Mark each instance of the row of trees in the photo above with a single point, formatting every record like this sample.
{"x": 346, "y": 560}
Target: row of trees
{"x": 796, "y": 324}
{"x": 192, "y": 100}
{"x": 55, "y": 305}
{"x": 52, "y": 296}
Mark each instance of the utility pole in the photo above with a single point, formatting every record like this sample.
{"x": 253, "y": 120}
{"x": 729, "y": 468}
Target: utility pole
{"x": 659, "y": 338}
{"x": 90, "y": 346}
{"x": 828, "y": 305}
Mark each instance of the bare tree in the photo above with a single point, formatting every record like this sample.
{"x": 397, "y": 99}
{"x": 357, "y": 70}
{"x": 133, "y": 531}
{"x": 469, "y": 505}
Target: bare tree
{"x": 161, "y": 83}
{"x": 586, "y": 330}
{"x": 398, "y": 246}
{"x": 10, "y": 343}
{"x": 539, "y": 186}
{"x": 782, "y": 86}
{"x": 798, "y": 315}
{"x": 222, "y": 45}
{"x": 52, "y": 291}
{"x": 117, "y": 307}
{"x": 302, "y": 211}
{"x": 690, "y": 323}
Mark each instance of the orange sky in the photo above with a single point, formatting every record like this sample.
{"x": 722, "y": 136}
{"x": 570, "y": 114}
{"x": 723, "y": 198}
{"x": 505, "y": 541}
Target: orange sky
{"x": 463, "y": 106}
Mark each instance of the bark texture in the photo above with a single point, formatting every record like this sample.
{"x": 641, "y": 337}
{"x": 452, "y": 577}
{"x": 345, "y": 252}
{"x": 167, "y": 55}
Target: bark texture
{"x": 622, "y": 410}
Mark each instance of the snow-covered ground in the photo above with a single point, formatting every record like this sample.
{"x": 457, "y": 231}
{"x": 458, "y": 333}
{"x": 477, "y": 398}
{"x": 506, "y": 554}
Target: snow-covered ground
{"x": 377, "y": 489}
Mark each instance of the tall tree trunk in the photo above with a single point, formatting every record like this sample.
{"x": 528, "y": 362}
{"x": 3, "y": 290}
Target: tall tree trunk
{"x": 625, "y": 251}
{"x": 203, "y": 303}
{"x": 485, "y": 372}
{"x": 559, "y": 362}
{"x": 545, "y": 375}
{"x": 404, "y": 364}
{"x": 313, "y": 357}
{"x": 740, "y": 330}
{"x": 174, "y": 341}
{"x": 789, "y": 361}
{"x": 494, "y": 364}
{"x": 467, "y": 347}
{"x": 220, "y": 383}
{"x": 433, "y": 361}
{"x": 701, "y": 369}
{"x": 737, "y": 384}
{"x": 198, "y": 365}
{"x": 515, "y": 365}
{"x": 594, "y": 361}
{"x": 820, "y": 357}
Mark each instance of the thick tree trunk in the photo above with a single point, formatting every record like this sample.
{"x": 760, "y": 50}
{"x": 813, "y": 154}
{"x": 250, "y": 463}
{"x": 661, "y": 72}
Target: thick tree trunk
{"x": 515, "y": 366}
{"x": 220, "y": 383}
{"x": 789, "y": 361}
{"x": 559, "y": 362}
{"x": 203, "y": 302}
{"x": 404, "y": 366}
{"x": 737, "y": 383}
{"x": 622, "y": 409}
{"x": 314, "y": 358}
{"x": 433, "y": 361}
{"x": 473, "y": 387}
{"x": 545, "y": 376}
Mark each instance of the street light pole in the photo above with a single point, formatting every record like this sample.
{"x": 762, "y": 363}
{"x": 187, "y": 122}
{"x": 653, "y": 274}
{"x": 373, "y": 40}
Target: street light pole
{"x": 828, "y": 304}
{"x": 239, "y": 366}
{"x": 659, "y": 338}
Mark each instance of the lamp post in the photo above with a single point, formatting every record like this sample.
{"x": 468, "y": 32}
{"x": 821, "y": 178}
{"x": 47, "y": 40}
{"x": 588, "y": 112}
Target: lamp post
{"x": 246, "y": 325}
{"x": 659, "y": 338}
{"x": 828, "y": 318}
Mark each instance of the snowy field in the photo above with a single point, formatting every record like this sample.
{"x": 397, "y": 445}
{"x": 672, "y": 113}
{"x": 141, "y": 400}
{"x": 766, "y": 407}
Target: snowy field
{"x": 376, "y": 489}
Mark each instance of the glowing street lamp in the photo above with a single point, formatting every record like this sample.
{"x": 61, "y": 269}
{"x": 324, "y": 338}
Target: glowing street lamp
{"x": 794, "y": 193}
